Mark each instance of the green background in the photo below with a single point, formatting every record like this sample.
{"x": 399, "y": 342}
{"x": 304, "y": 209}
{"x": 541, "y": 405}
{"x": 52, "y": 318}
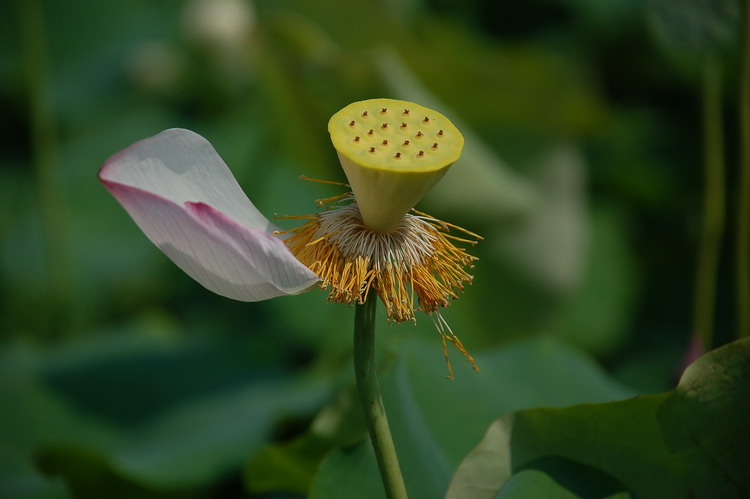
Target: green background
{"x": 121, "y": 377}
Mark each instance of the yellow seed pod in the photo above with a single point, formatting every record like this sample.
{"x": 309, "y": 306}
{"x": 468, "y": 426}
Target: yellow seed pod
{"x": 392, "y": 152}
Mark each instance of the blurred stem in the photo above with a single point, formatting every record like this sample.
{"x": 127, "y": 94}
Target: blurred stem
{"x": 372, "y": 402}
{"x": 44, "y": 153}
{"x": 743, "y": 189}
{"x": 713, "y": 204}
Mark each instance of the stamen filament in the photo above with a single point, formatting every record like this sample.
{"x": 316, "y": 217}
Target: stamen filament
{"x": 332, "y": 182}
{"x": 446, "y": 224}
{"x": 413, "y": 267}
{"x": 326, "y": 201}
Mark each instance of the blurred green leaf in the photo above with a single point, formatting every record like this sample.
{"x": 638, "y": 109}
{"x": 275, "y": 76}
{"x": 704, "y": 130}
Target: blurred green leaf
{"x": 158, "y": 412}
{"x": 31, "y": 415}
{"x": 288, "y": 466}
{"x": 89, "y": 475}
{"x": 195, "y": 444}
{"x": 550, "y": 246}
{"x": 599, "y": 315}
{"x": 292, "y": 466}
{"x": 517, "y": 95}
{"x": 603, "y": 18}
{"x": 20, "y": 480}
{"x": 531, "y": 484}
{"x": 535, "y": 268}
{"x": 691, "y": 442}
{"x": 350, "y": 471}
{"x": 436, "y": 421}
{"x": 695, "y": 27}
{"x": 653, "y": 369}
{"x": 561, "y": 480}
{"x": 353, "y": 28}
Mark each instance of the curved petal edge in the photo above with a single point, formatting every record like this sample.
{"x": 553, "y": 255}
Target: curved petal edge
{"x": 181, "y": 166}
{"x": 224, "y": 255}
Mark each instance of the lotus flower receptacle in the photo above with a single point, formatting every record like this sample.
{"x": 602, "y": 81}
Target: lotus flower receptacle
{"x": 392, "y": 152}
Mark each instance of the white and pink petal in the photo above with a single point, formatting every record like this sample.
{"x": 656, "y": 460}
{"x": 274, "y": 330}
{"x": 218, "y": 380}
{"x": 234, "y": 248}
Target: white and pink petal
{"x": 181, "y": 166}
{"x": 184, "y": 198}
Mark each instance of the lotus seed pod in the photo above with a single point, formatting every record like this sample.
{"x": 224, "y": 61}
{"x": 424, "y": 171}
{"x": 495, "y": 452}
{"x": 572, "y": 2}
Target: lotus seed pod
{"x": 392, "y": 152}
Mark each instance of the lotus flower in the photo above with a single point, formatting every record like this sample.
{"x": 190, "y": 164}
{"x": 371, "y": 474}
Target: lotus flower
{"x": 185, "y": 199}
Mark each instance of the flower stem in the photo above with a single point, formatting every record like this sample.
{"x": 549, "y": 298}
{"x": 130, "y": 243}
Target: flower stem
{"x": 743, "y": 188}
{"x": 44, "y": 151}
{"x": 372, "y": 402}
{"x": 713, "y": 204}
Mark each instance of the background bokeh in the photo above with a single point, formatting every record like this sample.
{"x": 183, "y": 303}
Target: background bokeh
{"x": 582, "y": 170}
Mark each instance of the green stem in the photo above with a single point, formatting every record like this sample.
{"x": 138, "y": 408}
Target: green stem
{"x": 713, "y": 201}
{"x": 743, "y": 189}
{"x": 44, "y": 153}
{"x": 372, "y": 402}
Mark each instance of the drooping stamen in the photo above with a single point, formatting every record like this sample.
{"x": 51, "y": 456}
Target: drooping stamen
{"x": 446, "y": 333}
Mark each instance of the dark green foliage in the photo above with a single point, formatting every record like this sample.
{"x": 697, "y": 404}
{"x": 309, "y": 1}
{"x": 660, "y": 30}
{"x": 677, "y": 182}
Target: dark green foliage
{"x": 121, "y": 377}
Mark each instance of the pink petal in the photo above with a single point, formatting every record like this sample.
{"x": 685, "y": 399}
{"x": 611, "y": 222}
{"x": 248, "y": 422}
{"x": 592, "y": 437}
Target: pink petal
{"x": 238, "y": 260}
{"x": 181, "y": 166}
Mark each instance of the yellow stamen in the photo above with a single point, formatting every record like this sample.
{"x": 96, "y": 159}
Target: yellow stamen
{"x": 332, "y": 182}
{"x": 413, "y": 267}
{"x": 460, "y": 239}
{"x": 326, "y": 201}
{"x": 446, "y": 224}
{"x": 447, "y": 359}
